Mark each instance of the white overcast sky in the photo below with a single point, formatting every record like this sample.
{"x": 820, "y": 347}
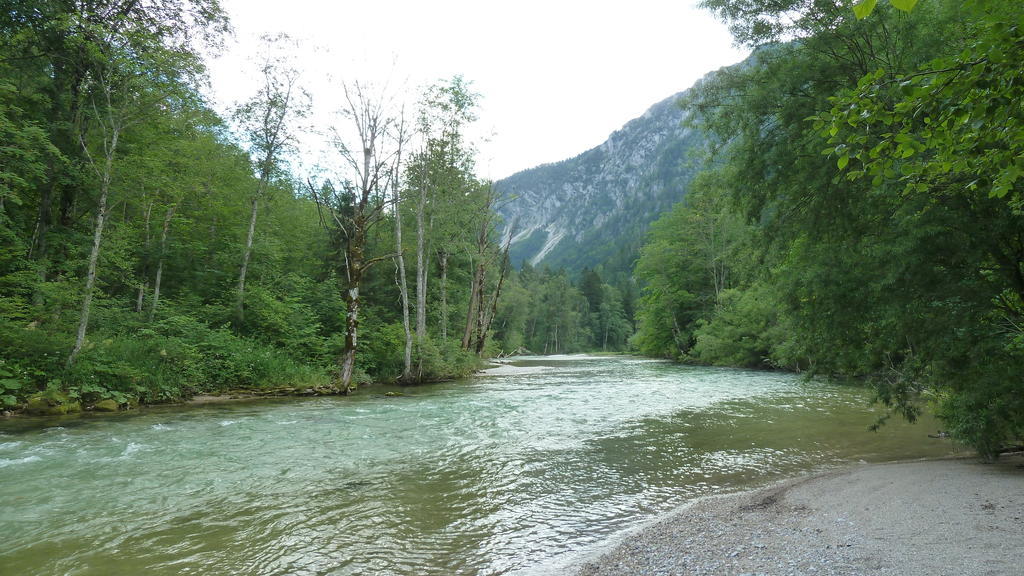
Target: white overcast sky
{"x": 556, "y": 77}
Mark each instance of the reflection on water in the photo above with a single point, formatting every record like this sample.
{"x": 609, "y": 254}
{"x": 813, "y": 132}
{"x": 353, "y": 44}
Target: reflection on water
{"x": 514, "y": 472}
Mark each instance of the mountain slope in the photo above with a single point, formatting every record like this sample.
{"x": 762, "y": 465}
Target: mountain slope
{"x": 595, "y": 208}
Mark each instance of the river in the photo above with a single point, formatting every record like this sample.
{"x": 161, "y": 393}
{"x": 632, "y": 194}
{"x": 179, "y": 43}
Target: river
{"x": 521, "y": 471}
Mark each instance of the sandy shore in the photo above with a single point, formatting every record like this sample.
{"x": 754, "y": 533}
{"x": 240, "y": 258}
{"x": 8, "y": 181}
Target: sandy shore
{"x": 938, "y": 517}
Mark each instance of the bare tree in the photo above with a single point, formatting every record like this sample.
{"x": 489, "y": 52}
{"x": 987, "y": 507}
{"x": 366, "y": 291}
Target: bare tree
{"x": 481, "y": 309}
{"x": 403, "y": 287}
{"x": 359, "y": 202}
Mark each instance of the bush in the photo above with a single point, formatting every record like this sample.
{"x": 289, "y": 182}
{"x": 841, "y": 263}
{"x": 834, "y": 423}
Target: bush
{"x": 445, "y": 362}
{"x": 741, "y": 333}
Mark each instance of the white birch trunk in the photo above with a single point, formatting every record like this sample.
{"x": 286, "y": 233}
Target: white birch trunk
{"x": 160, "y": 264}
{"x": 240, "y": 303}
{"x": 97, "y": 238}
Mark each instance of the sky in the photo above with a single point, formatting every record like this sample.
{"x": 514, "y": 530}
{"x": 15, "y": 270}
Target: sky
{"x": 555, "y": 77}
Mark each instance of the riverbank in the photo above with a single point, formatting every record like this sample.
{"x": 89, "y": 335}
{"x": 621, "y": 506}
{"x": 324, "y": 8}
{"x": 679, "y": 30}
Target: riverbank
{"x": 949, "y": 516}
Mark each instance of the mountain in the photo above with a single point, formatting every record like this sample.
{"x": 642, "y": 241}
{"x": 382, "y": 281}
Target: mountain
{"x": 594, "y": 209}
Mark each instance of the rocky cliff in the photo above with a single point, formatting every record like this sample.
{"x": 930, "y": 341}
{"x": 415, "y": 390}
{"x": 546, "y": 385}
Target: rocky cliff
{"x": 595, "y": 208}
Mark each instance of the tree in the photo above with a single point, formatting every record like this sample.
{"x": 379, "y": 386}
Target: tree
{"x": 687, "y": 263}
{"x": 894, "y": 256}
{"x": 481, "y": 309}
{"x": 132, "y": 89}
{"x": 441, "y": 176}
{"x": 23, "y": 162}
{"x": 403, "y": 286}
{"x": 267, "y": 124}
{"x": 947, "y": 139}
{"x": 359, "y": 203}
{"x": 58, "y": 50}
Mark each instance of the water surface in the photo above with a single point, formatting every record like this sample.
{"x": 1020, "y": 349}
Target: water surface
{"x": 514, "y": 473}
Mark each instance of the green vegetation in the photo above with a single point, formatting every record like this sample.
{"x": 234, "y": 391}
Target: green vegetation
{"x": 860, "y": 214}
{"x": 148, "y": 253}
{"x": 548, "y": 312}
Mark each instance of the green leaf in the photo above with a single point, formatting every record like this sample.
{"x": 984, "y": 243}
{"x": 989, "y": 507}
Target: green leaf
{"x": 905, "y": 5}
{"x": 843, "y": 161}
{"x": 864, "y": 8}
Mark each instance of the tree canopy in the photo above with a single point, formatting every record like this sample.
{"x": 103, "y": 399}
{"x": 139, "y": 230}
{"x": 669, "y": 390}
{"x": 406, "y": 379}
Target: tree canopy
{"x": 877, "y": 164}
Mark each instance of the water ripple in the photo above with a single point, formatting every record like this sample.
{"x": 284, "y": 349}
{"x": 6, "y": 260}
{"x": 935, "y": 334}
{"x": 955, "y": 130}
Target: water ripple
{"x": 504, "y": 474}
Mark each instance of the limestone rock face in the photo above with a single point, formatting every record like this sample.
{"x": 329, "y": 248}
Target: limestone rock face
{"x": 595, "y": 208}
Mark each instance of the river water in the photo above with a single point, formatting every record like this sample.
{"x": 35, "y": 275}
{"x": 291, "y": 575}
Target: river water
{"x": 522, "y": 471}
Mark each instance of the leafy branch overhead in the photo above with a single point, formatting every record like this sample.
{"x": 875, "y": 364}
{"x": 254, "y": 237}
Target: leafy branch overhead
{"x": 864, "y": 8}
{"x": 949, "y": 126}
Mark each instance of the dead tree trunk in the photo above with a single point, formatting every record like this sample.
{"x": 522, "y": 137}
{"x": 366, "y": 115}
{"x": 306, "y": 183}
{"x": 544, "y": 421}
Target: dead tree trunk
{"x": 475, "y": 283}
{"x": 355, "y": 269}
{"x": 488, "y": 316}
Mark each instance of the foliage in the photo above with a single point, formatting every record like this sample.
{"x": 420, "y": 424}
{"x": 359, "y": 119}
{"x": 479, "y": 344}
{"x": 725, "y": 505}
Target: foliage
{"x": 742, "y": 332}
{"x": 896, "y": 256}
{"x": 864, "y": 8}
{"x": 179, "y": 188}
{"x": 685, "y": 266}
{"x": 947, "y": 141}
{"x": 548, "y": 312}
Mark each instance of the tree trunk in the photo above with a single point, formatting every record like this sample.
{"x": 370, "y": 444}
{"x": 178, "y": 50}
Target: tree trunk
{"x": 160, "y": 264}
{"x": 403, "y": 289}
{"x": 474, "y": 305}
{"x": 444, "y": 296}
{"x": 421, "y": 270}
{"x": 240, "y": 302}
{"x": 354, "y": 273}
{"x": 38, "y": 250}
{"x": 348, "y": 354}
{"x": 94, "y": 254}
{"x": 492, "y": 310}
{"x": 421, "y": 278}
{"x": 144, "y": 281}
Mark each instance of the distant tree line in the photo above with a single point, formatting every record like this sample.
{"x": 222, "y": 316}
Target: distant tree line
{"x": 544, "y": 311}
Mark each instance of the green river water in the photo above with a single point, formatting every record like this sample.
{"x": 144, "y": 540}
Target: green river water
{"x": 520, "y": 472}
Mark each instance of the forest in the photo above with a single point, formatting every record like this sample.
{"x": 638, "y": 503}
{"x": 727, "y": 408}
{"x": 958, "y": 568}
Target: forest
{"x": 857, "y": 215}
{"x": 153, "y": 250}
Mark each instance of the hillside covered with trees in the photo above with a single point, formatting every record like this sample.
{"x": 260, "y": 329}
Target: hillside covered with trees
{"x": 152, "y": 250}
{"x": 860, "y": 211}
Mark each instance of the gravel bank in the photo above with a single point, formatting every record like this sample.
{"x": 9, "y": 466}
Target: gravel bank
{"x": 938, "y": 517}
